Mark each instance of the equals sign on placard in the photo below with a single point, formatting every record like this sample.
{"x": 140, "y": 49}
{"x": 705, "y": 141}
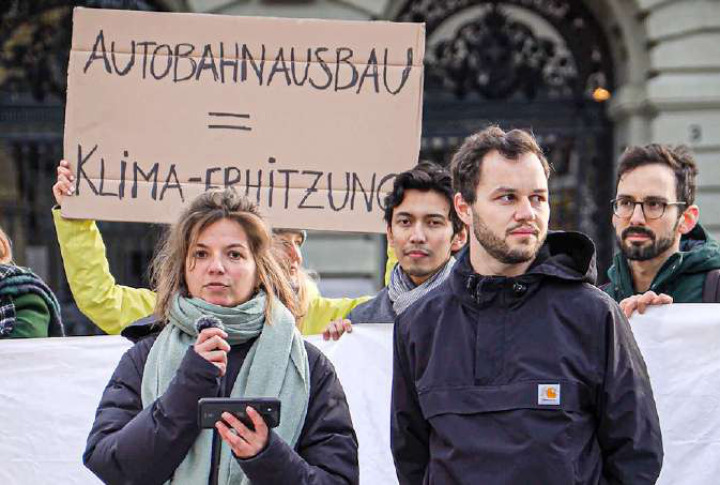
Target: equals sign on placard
{"x": 228, "y": 121}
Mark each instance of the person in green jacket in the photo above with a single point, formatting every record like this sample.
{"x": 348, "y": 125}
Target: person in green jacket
{"x": 113, "y": 307}
{"x": 665, "y": 254}
{"x": 28, "y": 308}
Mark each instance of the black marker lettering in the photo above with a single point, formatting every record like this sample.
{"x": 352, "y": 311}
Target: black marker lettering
{"x": 287, "y": 183}
{"x": 208, "y": 178}
{"x": 344, "y": 60}
{"x": 405, "y": 74}
{"x": 330, "y": 192}
{"x": 99, "y": 42}
{"x": 307, "y": 66}
{"x": 145, "y": 45}
{"x": 229, "y": 182}
{"x": 279, "y": 61}
{"x": 121, "y": 187}
{"x": 184, "y": 55}
{"x": 172, "y": 174}
{"x": 130, "y": 63}
{"x": 205, "y": 64}
{"x": 229, "y": 62}
{"x": 271, "y": 188}
{"x": 81, "y": 171}
{"x": 152, "y": 174}
{"x": 101, "y": 189}
{"x": 372, "y": 65}
{"x": 368, "y": 198}
{"x": 379, "y": 191}
{"x": 257, "y": 67}
{"x": 169, "y": 61}
{"x": 310, "y": 190}
{"x": 257, "y": 186}
{"x": 324, "y": 67}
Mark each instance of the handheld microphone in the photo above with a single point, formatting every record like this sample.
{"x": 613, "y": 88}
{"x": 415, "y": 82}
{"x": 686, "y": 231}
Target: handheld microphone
{"x": 208, "y": 321}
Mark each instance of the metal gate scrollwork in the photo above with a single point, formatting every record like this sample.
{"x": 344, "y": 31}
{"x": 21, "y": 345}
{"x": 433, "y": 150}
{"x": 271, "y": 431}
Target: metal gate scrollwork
{"x": 539, "y": 65}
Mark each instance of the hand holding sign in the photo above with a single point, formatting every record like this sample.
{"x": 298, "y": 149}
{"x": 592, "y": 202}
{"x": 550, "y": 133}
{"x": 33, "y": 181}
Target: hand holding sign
{"x": 65, "y": 184}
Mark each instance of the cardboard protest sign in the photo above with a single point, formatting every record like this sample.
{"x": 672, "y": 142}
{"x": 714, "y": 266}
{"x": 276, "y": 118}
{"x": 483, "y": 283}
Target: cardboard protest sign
{"x": 311, "y": 119}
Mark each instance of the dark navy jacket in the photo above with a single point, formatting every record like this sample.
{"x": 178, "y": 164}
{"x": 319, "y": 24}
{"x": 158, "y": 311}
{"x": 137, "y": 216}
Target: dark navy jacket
{"x": 132, "y": 445}
{"x": 535, "y": 379}
{"x": 378, "y": 310}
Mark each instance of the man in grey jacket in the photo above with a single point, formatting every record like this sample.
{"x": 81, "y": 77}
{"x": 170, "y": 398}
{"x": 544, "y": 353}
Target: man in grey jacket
{"x": 424, "y": 231}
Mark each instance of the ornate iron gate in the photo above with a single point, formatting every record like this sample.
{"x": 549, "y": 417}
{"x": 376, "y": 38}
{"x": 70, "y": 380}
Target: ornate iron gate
{"x": 525, "y": 64}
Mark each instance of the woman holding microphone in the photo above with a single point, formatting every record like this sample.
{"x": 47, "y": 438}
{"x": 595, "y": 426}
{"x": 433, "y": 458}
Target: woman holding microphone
{"x": 216, "y": 261}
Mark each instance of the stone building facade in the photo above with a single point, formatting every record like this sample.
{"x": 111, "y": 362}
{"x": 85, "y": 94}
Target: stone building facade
{"x": 590, "y": 77}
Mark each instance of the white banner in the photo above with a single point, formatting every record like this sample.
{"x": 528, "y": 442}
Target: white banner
{"x": 681, "y": 347}
{"x": 49, "y": 389}
{"x": 363, "y": 362}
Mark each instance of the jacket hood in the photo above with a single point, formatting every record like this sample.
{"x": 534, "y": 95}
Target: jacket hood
{"x": 142, "y": 328}
{"x": 699, "y": 252}
{"x": 565, "y": 255}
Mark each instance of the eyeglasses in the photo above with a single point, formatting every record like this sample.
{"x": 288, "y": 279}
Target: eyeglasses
{"x": 652, "y": 208}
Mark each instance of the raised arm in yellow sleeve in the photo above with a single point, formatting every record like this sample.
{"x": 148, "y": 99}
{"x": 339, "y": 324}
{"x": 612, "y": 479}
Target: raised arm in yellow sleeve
{"x": 322, "y": 311}
{"x": 110, "y": 306}
{"x": 390, "y": 264}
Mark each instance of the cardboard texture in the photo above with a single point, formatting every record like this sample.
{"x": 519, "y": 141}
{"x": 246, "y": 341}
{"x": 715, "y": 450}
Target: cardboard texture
{"x": 161, "y": 107}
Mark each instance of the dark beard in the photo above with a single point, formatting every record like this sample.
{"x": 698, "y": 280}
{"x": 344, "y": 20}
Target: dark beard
{"x": 643, "y": 253}
{"x": 498, "y": 248}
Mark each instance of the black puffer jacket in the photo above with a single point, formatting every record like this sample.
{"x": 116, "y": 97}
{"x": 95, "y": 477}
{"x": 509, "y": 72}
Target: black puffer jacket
{"x": 535, "y": 379}
{"x": 132, "y": 445}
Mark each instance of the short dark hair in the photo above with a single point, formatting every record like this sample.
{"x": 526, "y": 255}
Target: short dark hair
{"x": 467, "y": 161}
{"x": 426, "y": 176}
{"x": 678, "y": 157}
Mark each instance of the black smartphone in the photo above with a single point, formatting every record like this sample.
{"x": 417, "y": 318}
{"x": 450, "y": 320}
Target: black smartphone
{"x": 210, "y": 410}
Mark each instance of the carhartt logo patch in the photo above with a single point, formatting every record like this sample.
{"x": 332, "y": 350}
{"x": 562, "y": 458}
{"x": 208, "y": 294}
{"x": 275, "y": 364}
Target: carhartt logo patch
{"x": 549, "y": 394}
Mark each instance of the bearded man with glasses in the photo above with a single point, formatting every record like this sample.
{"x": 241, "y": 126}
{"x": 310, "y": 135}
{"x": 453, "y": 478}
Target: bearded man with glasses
{"x": 665, "y": 254}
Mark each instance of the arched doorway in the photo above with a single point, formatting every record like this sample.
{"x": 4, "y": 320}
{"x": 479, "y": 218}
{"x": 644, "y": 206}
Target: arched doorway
{"x": 525, "y": 64}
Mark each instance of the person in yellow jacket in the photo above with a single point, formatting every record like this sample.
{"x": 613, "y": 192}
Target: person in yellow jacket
{"x": 113, "y": 307}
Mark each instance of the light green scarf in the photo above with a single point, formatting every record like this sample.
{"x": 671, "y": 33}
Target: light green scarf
{"x": 276, "y": 366}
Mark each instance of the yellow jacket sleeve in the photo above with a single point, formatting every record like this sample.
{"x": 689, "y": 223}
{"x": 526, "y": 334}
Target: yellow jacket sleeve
{"x": 110, "y": 306}
{"x": 390, "y": 264}
{"x": 322, "y": 311}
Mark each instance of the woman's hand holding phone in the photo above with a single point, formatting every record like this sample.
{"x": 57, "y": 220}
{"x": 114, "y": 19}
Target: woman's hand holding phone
{"x": 244, "y": 442}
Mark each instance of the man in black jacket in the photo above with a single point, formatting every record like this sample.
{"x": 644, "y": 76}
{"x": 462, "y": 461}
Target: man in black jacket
{"x": 518, "y": 370}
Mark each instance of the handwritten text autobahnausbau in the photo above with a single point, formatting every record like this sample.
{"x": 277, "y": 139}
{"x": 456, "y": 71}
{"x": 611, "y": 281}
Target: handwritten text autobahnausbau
{"x": 340, "y": 68}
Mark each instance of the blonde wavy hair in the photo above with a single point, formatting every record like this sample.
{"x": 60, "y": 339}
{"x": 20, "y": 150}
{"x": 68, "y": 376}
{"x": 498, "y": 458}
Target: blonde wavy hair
{"x": 168, "y": 266}
{"x": 6, "y": 256}
{"x": 302, "y": 294}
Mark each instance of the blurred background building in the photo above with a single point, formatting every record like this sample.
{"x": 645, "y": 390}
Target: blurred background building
{"x": 589, "y": 77}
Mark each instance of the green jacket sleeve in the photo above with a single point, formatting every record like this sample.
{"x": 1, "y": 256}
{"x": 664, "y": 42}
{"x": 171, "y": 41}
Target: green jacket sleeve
{"x": 32, "y": 317}
{"x": 110, "y": 306}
